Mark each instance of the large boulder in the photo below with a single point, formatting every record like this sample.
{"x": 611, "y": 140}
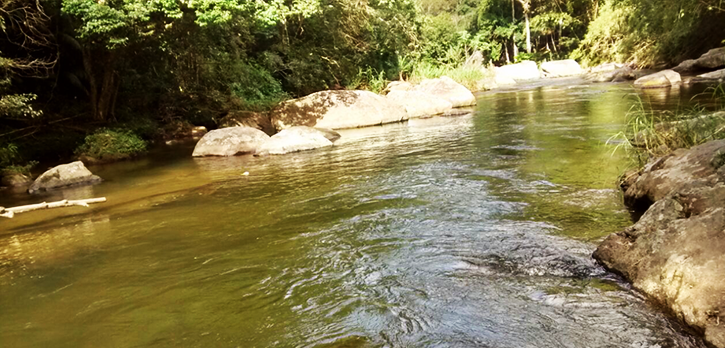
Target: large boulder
{"x": 562, "y": 68}
{"x": 294, "y": 139}
{"x": 64, "y": 175}
{"x": 445, "y": 88}
{"x": 713, "y": 59}
{"x": 337, "y": 110}
{"x": 419, "y": 104}
{"x": 526, "y": 70}
{"x": 230, "y": 141}
{"x": 674, "y": 253}
{"x": 664, "y": 78}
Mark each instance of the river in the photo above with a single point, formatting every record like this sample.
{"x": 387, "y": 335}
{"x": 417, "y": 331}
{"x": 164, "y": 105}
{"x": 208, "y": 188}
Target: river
{"x": 468, "y": 231}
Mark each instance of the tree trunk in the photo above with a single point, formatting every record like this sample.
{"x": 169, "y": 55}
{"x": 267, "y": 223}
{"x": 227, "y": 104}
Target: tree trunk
{"x": 102, "y": 84}
{"x": 528, "y": 32}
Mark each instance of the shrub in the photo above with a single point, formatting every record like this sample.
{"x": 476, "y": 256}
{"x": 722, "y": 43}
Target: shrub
{"x": 111, "y": 145}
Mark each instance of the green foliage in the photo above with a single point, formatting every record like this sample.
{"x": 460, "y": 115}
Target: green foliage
{"x": 370, "y": 80}
{"x": 649, "y": 33}
{"x": 648, "y": 134}
{"x": 110, "y": 145}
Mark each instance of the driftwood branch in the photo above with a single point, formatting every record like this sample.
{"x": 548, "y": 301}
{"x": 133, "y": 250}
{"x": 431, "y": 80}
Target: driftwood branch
{"x": 10, "y": 212}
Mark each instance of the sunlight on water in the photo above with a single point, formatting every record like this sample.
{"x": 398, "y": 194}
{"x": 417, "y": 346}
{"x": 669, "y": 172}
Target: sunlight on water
{"x": 469, "y": 231}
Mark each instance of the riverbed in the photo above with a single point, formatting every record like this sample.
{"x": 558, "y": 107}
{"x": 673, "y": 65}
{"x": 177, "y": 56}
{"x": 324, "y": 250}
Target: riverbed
{"x": 466, "y": 231}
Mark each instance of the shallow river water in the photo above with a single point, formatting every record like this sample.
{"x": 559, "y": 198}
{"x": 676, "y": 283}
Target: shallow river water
{"x": 469, "y": 231}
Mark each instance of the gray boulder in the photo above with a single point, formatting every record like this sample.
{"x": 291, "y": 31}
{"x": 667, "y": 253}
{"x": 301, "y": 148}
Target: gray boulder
{"x": 664, "y": 78}
{"x": 674, "y": 253}
{"x": 64, "y": 175}
{"x": 713, "y": 59}
{"x": 686, "y": 66}
{"x": 526, "y": 70}
{"x": 717, "y": 75}
{"x": 230, "y": 141}
{"x": 445, "y": 88}
{"x": 419, "y": 104}
{"x": 294, "y": 139}
{"x": 337, "y": 110}
{"x": 610, "y": 72}
{"x": 562, "y": 68}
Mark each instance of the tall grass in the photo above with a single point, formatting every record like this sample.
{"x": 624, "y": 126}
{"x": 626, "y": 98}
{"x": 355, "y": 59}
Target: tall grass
{"x": 470, "y": 76}
{"x": 650, "y": 134}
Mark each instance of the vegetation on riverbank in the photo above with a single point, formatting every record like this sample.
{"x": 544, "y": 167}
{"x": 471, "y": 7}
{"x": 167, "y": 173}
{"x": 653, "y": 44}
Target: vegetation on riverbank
{"x": 70, "y": 67}
{"x": 649, "y": 134}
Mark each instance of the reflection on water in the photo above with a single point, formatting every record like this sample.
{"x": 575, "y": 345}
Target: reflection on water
{"x": 468, "y": 231}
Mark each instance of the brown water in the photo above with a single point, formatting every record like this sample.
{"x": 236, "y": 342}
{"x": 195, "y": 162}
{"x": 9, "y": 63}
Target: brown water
{"x": 470, "y": 231}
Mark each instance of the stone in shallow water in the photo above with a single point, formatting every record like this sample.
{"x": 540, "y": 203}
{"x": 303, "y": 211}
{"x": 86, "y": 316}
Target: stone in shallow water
{"x": 64, "y": 175}
{"x": 230, "y": 141}
{"x": 294, "y": 139}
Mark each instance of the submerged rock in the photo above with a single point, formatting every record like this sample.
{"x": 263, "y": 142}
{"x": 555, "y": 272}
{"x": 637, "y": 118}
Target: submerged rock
{"x": 419, "y": 104}
{"x": 337, "y": 110}
{"x": 294, "y": 139}
{"x": 330, "y": 134}
{"x": 664, "y": 78}
{"x": 64, "y": 175}
{"x": 526, "y": 70}
{"x": 675, "y": 252}
{"x": 445, "y": 88}
{"x": 562, "y": 68}
{"x": 230, "y": 141}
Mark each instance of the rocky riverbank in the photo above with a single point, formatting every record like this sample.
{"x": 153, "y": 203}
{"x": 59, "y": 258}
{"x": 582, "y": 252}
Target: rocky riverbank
{"x": 675, "y": 253}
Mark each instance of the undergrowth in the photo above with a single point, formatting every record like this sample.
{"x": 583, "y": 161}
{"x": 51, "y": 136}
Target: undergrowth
{"x": 110, "y": 145}
{"x": 649, "y": 134}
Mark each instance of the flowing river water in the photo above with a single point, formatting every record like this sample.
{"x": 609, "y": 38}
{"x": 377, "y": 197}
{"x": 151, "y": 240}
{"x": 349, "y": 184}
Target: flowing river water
{"x": 468, "y": 231}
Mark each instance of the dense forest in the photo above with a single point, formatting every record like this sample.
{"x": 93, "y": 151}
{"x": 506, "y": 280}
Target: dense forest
{"x": 136, "y": 69}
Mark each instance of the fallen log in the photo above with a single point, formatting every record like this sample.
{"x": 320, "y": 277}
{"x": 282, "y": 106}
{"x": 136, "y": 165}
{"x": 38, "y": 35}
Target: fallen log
{"x": 10, "y": 212}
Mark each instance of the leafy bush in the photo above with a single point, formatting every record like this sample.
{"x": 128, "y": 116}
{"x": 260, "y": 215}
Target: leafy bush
{"x": 111, "y": 145}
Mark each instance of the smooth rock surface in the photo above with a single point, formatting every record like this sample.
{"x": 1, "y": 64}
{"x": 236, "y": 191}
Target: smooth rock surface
{"x": 230, "y": 141}
{"x": 686, "y": 66}
{"x": 64, "y": 175}
{"x": 562, "y": 68}
{"x": 526, "y": 70}
{"x": 675, "y": 252}
{"x": 713, "y": 59}
{"x": 337, "y": 110}
{"x": 664, "y": 78}
{"x": 330, "y": 134}
{"x": 445, "y": 88}
{"x": 294, "y": 139}
{"x": 716, "y": 75}
{"x": 419, "y": 104}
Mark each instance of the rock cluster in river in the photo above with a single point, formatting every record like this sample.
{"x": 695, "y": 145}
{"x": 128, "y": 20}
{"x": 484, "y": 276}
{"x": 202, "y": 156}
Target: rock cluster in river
{"x": 675, "y": 253}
